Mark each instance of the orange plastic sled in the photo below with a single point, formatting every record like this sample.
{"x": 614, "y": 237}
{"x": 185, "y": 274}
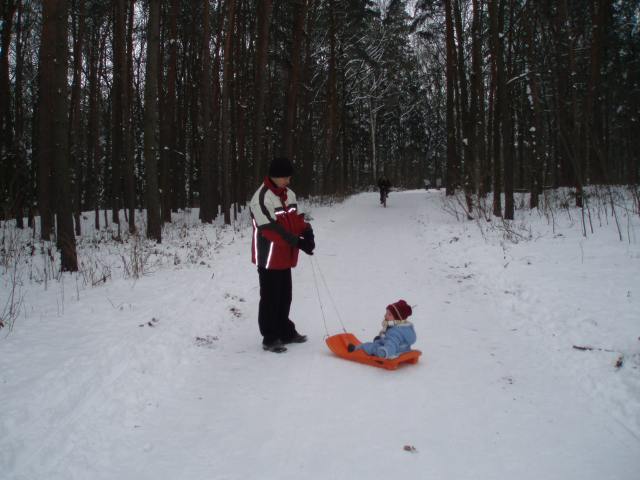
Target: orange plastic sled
{"x": 338, "y": 344}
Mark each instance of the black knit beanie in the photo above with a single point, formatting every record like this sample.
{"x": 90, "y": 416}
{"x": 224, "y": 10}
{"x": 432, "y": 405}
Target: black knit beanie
{"x": 280, "y": 167}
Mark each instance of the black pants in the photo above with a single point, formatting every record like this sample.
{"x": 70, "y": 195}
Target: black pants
{"x": 275, "y": 303}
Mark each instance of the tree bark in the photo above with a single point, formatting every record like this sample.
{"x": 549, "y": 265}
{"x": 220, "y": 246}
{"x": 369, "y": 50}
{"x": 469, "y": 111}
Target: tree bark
{"x": 452, "y": 163}
{"x": 181, "y": 178}
{"x": 566, "y": 164}
{"x": 373, "y": 112}
{"x": 265, "y": 8}
{"x": 593, "y": 130}
{"x": 504, "y": 89}
{"x": 66, "y": 239}
{"x": 227, "y": 112}
{"x": 536, "y": 106}
{"x": 468, "y": 120}
{"x": 129, "y": 127}
{"x": 7, "y": 154}
{"x": 207, "y": 213}
{"x": 497, "y": 73}
{"x": 117, "y": 113}
{"x": 76, "y": 153}
{"x": 240, "y": 103}
{"x": 168, "y": 124}
{"x": 476, "y": 108}
{"x": 216, "y": 127}
{"x": 45, "y": 114}
{"x": 154, "y": 224}
{"x": 176, "y": 178}
{"x": 22, "y": 177}
{"x": 94, "y": 151}
{"x": 289, "y": 133}
{"x": 305, "y": 146}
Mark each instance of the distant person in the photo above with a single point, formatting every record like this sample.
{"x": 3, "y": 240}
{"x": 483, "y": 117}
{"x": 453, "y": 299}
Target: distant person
{"x": 279, "y": 232}
{"x": 385, "y": 186}
{"x": 397, "y": 334}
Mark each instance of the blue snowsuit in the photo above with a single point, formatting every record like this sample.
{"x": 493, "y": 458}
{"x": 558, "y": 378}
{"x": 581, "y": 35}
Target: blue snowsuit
{"x": 396, "y": 340}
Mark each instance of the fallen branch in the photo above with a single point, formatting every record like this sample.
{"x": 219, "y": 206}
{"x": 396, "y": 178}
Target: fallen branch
{"x": 619, "y": 361}
{"x": 587, "y": 348}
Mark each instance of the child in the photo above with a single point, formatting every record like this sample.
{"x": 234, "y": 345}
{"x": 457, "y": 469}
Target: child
{"x": 397, "y": 334}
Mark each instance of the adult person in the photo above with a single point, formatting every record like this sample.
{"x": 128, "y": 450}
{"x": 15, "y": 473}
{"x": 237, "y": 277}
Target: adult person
{"x": 279, "y": 232}
{"x": 384, "y": 185}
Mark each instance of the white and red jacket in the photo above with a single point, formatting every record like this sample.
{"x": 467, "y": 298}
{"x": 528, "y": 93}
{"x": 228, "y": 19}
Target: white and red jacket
{"x": 276, "y": 227}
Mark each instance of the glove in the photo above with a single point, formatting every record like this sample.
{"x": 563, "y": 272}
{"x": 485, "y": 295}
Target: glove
{"x": 305, "y": 245}
{"x": 309, "y": 237}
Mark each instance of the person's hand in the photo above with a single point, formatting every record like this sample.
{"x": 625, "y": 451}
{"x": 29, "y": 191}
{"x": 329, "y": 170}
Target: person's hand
{"x": 306, "y": 246}
{"x": 309, "y": 237}
{"x": 308, "y": 231}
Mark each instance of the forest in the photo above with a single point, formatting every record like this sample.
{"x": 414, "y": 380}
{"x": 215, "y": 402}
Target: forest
{"x": 148, "y": 107}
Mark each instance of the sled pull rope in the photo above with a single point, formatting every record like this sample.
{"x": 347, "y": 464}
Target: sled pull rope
{"x": 315, "y": 282}
{"x": 326, "y": 287}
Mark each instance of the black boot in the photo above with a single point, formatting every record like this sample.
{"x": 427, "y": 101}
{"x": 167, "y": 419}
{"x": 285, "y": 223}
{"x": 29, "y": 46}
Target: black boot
{"x": 297, "y": 338}
{"x": 275, "y": 346}
{"x": 351, "y": 347}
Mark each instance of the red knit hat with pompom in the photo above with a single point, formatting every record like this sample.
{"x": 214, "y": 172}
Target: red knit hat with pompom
{"x": 400, "y": 310}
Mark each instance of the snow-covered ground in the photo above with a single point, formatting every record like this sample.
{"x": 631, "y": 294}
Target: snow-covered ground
{"x": 163, "y": 376}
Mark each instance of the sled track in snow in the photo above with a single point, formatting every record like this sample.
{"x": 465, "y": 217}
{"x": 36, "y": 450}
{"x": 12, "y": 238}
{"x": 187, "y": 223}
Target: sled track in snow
{"x": 120, "y": 358}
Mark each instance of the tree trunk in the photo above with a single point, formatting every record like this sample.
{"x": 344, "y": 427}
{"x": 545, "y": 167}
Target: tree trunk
{"x": 468, "y": 121}
{"x": 168, "y": 124}
{"x": 305, "y": 181}
{"x": 227, "y": 112}
{"x": 452, "y": 164}
{"x": 154, "y": 225}
{"x": 289, "y": 133}
{"x": 507, "y": 115}
{"x": 76, "y": 153}
{"x": 537, "y": 130}
{"x": 341, "y": 126}
{"x": 45, "y": 114}
{"x": 20, "y": 140}
{"x": 215, "y": 129}
{"x": 93, "y": 127}
{"x": 7, "y": 154}
{"x": 495, "y": 21}
{"x": 566, "y": 163}
{"x": 476, "y": 108}
{"x": 129, "y": 127}
{"x": 193, "y": 149}
{"x": 593, "y": 130}
{"x": 332, "y": 106}
{"x": 372, "y": 133}
{"x": 207, "y": 213}
{"x": 241, "y": 84}
{"x": 66, "y": 239}
{"x": 181, "y": 179}
{"x": 117, "y": 113}
{"x": 265, "y": 8}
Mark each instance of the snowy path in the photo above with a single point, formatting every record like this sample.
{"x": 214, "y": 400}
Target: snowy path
{"x": 493, "y": 397}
